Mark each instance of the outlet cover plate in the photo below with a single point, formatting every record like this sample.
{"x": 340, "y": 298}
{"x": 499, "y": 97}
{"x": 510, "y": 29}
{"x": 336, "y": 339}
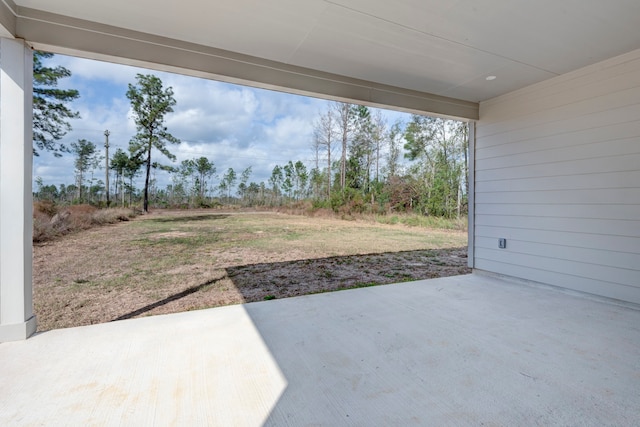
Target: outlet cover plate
{"x": 502, "y": 243}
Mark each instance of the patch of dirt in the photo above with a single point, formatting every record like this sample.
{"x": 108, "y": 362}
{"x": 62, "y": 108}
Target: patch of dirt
{"x": 307, "y": 276}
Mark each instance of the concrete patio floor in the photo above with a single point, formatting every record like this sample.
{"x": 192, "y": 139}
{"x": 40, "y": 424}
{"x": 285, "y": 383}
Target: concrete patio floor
{"x": 468, "y": 350}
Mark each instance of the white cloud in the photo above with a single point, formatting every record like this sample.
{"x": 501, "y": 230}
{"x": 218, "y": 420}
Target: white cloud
{"x": 233, "y": 126}
{"x": 99, "y": 70}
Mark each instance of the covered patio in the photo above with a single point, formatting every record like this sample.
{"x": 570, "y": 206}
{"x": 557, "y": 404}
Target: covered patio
{"x": 466, "y": 350}
{"x": 551, "y": 91}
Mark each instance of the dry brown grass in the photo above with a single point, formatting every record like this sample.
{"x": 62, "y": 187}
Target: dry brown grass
{"x": 51, "y": 221}
{"x": 384, "y": 216}
{"x": 167, "y": 262}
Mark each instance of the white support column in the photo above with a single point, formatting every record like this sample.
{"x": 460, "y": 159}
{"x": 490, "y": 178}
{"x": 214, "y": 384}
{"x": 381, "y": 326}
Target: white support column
{"x": 17, "y": 321}
{"x": 471, "y": 197}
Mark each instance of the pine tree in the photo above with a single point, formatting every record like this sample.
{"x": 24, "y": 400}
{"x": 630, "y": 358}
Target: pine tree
{"x": 150, "y": 102}
{"x": 229, "y": 180}
{"x": 50, "y": 112}
{"x": 205, "y": 170}
{"x": 85, "y": 152}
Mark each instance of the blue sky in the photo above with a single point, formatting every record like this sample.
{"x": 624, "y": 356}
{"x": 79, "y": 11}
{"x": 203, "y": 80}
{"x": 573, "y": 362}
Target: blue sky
{"x": 234, "y": 126}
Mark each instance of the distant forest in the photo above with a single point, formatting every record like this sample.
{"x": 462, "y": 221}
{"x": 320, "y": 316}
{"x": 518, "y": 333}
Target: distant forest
{"x": 361, "y": 165}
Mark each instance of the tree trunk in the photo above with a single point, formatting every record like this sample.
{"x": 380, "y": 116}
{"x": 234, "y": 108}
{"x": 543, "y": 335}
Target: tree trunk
{"x": 343, "y": 159}
{"x": 130, "y": 191}
{"x": 329, "y": 170}
{"x": 377, "y": 159}
{"x": 459, "y": 200}
{"x": 343, "y": 111}
{"x": 122, "y": 188}
{"x": 80, "y": 180}
{"x": 145, "y": 206}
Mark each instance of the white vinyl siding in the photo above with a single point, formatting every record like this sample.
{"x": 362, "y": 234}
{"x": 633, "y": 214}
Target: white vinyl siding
{"x": 557, "y": 173}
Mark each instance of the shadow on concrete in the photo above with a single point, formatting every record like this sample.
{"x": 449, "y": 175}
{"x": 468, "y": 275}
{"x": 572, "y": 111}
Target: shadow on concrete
{"x": 464, "y": 350}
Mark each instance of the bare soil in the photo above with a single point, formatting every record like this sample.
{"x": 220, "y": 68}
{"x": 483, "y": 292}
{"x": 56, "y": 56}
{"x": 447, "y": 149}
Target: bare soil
{"x": 169, "y": 261}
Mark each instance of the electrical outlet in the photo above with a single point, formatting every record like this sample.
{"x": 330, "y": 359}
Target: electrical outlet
{"x": 502, "y": 243}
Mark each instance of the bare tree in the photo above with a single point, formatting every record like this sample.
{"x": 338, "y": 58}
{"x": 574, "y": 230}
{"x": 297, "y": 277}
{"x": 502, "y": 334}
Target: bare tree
{"x": 393, "y": 158}
{"x": 344, "y": 116}
{"x": 379, "y": 135}
{"x": 323, "y": 135}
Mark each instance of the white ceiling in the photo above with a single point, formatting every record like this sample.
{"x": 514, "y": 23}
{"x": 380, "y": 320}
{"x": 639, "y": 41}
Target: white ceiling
{"x": 441, "y": 47}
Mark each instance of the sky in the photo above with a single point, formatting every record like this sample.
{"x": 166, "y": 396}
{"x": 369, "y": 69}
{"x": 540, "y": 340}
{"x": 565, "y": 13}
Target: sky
{"x": 233, "y": 126}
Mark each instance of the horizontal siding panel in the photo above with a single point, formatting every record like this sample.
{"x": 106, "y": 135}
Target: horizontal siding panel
{"x": 557, "y": 173}
{"x": 596, "y": 196}
{"x": 573, "y": 225}
{"x": 570, "y": 87}
{"x": 592, "y": 286}
{"x": 622, "y": 212}
{"x": 574, "y": 138}
{"x": 562, "y": 153}
{"x": 563, "y": 238}
{"x": 623, "y": 260}
{"x": 621, "y": 276}
{"x": 604, "y": 164}
{"x": 566, "y": 122}
{"x": 628, "y": 179}
{"x": 588, "y": 102}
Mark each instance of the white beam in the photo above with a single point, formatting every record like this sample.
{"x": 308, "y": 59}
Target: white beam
{"x": 7, "y": 19}
{"x": 17, "y": 320}
{"x": 63, "y": 34}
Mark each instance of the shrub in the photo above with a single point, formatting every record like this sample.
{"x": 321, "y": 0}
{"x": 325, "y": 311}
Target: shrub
{"x": 46, "y": 207}
{"x": 50, "y": 221}
{"x": 320, "y": 204}
{"x": 348, "y": 202}
{"x": 42, "y": 229}
{"x": 111, "y": 216}
{"x": 415, "y": 220}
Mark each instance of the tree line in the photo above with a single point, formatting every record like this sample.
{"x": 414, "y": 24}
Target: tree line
{"x": 360, "y": 163}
